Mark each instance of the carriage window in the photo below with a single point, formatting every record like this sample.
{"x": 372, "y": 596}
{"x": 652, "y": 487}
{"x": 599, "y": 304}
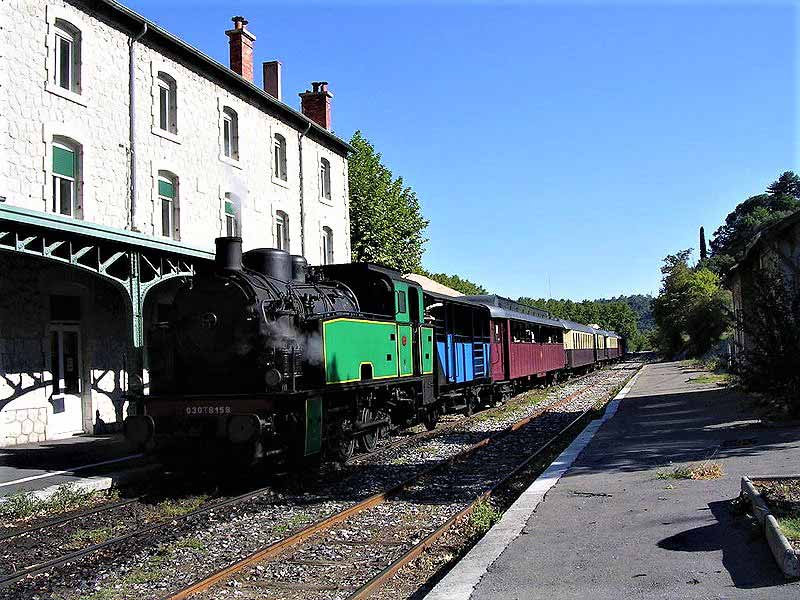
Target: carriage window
{"x": 401, "y": 302}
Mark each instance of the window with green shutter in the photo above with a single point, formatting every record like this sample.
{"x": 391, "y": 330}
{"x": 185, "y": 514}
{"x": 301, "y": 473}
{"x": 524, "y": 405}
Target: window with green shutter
{"x": 166, "y": 189}
{"x": 63, "y": 162}
{"x": 166, "y": 196}
{"x": 65, "y": 175}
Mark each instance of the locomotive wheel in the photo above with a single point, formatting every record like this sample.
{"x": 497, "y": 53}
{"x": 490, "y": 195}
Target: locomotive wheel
{"x": 430, "y": 419}
{"x": 368, "y": 440}
{"x": 470, "y": 409}
{"x": 343, "y": 449}
{"x": 344, "y": 445}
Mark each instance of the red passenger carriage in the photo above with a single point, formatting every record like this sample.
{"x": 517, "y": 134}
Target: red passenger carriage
{"x": 527, "y": 343}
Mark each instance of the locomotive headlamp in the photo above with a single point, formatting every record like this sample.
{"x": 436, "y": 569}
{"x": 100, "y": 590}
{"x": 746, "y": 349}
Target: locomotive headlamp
{"x": 273, "y": 378}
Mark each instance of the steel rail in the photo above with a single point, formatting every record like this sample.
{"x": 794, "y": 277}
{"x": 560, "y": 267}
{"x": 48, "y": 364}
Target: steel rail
{"x": 369, "y": 588}
{"x": 64, "y": 558}
{"x": 277, "y": 547}
{"x": 444, "y": 427}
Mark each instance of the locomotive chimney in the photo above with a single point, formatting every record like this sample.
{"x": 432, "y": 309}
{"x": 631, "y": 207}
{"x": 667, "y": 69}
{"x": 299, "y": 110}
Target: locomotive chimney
{"x": 229, "y": 254}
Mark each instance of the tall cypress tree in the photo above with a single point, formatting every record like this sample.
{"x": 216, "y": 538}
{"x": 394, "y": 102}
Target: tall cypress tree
{"x": 703, "y": 249}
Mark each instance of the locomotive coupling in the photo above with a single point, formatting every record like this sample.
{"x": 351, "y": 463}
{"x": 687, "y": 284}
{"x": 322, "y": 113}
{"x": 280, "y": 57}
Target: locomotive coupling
{"x": 244, "y": 428}
{"x": 139, "y": 429}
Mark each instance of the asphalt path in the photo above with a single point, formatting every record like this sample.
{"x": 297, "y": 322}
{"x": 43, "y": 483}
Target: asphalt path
{"x": 611, "y": 529}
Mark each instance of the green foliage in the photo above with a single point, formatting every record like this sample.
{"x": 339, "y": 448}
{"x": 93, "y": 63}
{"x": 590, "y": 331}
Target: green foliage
{"x": 788, "y": 184}
{"x": 483, "y": 516}
{"x": 616, "y": 315}
{"x": 23, "y": 505}
{"x": 692, "y": 310}
{"x": 770, "y": 320}
{"x": 465, "y": 286}
{"x": 749, "y": 217}
{"x": 386, "y": 223}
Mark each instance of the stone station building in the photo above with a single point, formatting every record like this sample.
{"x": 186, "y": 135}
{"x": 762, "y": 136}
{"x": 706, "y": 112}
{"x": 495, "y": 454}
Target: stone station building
{"x": 125, "y": 153}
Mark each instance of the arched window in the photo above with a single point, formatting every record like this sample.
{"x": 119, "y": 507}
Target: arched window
{"x": 66, "y": 56}
{"x": 167, "y": 103}
{"x": 327, "y": 246}
{"x": 230, "y": 133}
{"x": 325, "y": 178}
{"x": 279, "y": 157}
{"x": 282, "y": 230}
{"x": 168, "y": 204}
{"x": 66, "y": 177}
{"x": 231, "y": 222}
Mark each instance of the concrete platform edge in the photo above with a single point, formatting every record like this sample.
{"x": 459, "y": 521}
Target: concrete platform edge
{"x": 95, "y": 483}
{"x": 464, "y": 577}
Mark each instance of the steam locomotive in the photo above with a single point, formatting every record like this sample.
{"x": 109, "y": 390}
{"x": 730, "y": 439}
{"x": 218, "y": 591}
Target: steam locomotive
{"x": 279, "y": 358}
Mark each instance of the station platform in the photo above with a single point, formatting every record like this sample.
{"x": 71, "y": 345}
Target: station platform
{"x": 611, "y": 528}
{"x": 37, "y": 466}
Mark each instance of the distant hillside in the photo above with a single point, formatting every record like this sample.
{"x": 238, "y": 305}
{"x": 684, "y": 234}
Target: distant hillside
{"x": 642, "y": 305}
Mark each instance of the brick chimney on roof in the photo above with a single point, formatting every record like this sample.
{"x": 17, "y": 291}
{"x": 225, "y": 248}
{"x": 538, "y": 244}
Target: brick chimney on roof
{"x": 241, "y": 42}
{"x": 316, "y": 104}
{"x": 272, "y": 78}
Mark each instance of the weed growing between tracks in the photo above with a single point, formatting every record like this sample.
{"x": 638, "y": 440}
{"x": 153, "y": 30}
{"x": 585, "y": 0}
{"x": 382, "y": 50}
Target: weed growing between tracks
{"x": 177, "y": 507}
{"x": 86, "y": 537}
{"x": 22, "y": 506}
{"x": 154, "y": 569}
{"x": 483, "y": 516}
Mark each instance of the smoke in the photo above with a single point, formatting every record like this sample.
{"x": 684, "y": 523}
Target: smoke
{"x": 237, "y": 193}
{"x": 282, "y": 333}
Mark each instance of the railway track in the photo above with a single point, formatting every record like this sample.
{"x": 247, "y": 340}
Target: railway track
{"x": 326, "y": 513}
{"x": 354, "y": 552}
{"x": 10, "y": 574}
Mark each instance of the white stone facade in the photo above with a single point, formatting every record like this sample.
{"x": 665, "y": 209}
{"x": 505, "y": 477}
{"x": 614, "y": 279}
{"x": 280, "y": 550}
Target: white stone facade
{"x": 34, "y": 111}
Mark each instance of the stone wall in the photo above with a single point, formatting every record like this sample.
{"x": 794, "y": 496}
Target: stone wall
{"x": 26, "y": 379}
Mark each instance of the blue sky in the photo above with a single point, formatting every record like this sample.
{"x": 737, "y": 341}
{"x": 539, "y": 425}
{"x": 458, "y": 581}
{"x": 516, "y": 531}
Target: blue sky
{"x": 557, "y": 148}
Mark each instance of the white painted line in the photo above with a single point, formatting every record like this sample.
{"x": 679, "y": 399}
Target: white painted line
{"x": 73, "y": 470}
{"x": 91, "y": 484}
{"x": 464, "y": 577}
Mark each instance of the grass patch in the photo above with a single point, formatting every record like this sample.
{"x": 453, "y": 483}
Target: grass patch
{"x": 177, "y": 507}
{"x": 790, "y": 526}
{"x": 712, "y": 378}
{"x": 153, "y": 570}
{"x": 483, "y": 516}
{"x": 25, "y": 505}
{"x": 291, "y": 523}
{"x": 700, "y": 472}
{"x": 501, "y": 413}
{"x": 87, "y": 537}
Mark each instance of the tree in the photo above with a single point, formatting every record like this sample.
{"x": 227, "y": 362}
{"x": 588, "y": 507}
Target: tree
{"x": 465, "y": 286}
{"x": 614, "y": 315}
{"x": 386, "y": 222}
{"x": 703, "y": 249}
{"x": 692, "y": 310}
{"x": 770, "y": 362}
{"x": 782, "y": 198}
{"x": 788, "y": 184}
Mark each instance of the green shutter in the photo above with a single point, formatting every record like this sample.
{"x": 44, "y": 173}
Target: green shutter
{"x": 166, "y": 189}
{"x": 63, "y": 162}
{"x": 229, "y": 208}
